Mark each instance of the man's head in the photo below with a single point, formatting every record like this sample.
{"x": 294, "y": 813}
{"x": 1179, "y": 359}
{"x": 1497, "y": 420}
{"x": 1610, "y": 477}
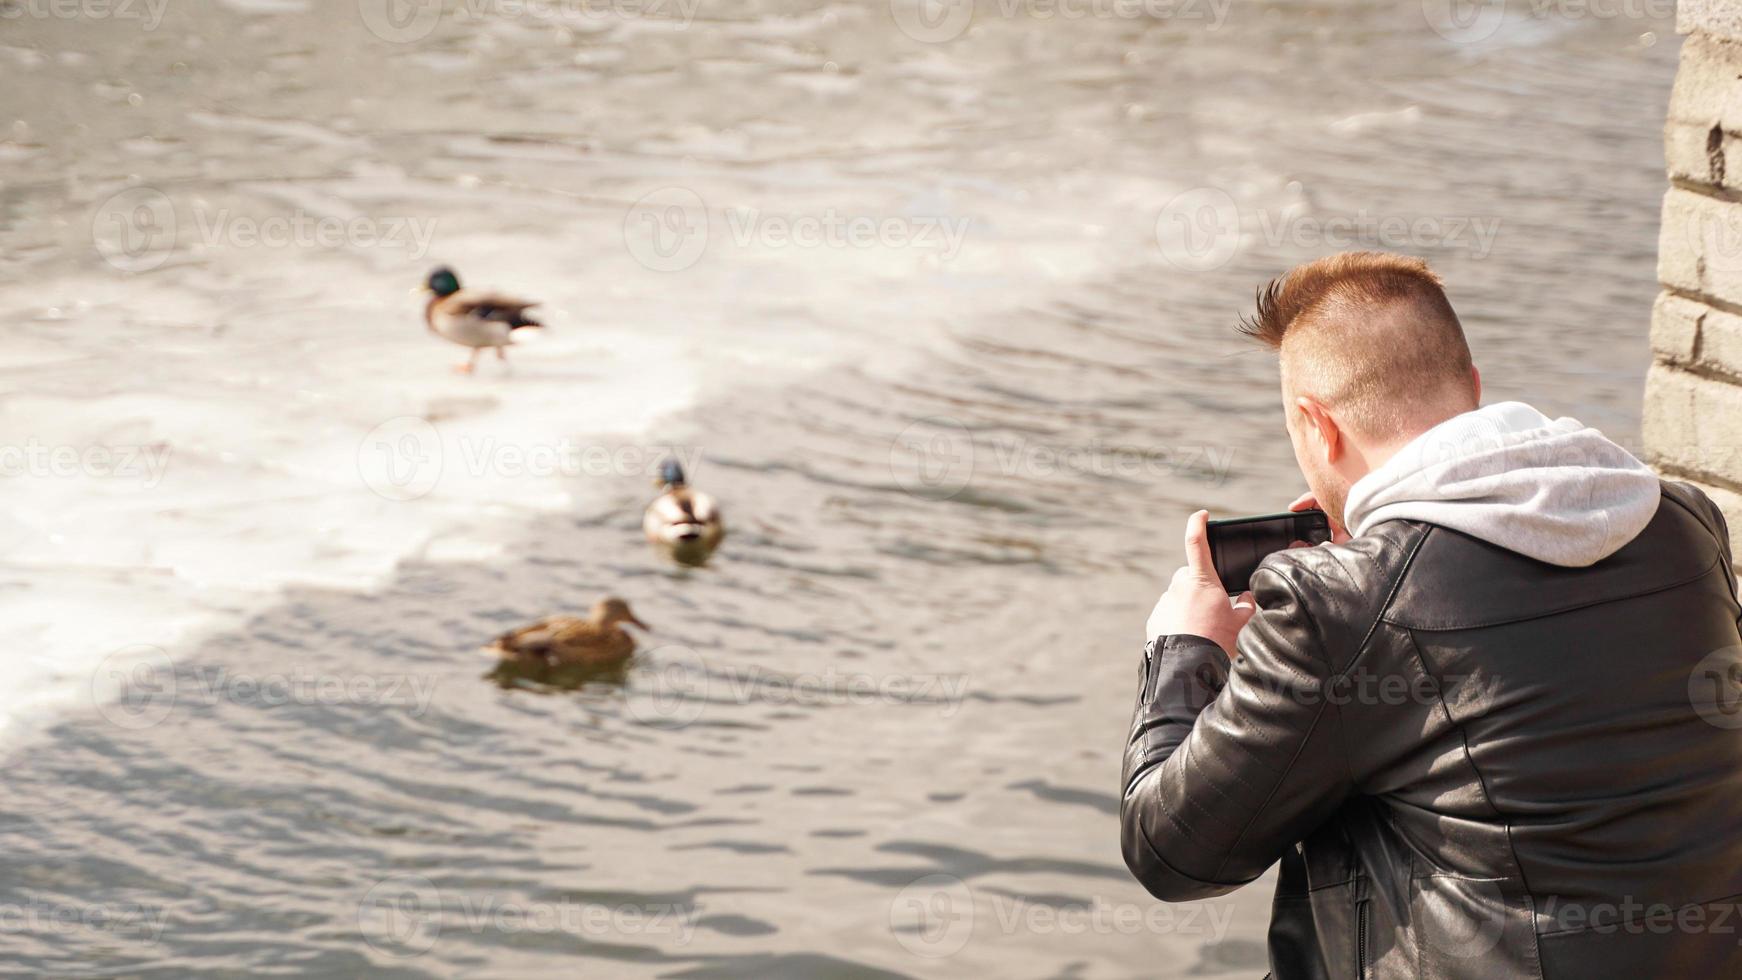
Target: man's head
{"x": 1372, "y": 356}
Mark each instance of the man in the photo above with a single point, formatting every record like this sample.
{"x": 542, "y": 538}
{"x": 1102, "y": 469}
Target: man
{"x": 1492, "y": 729}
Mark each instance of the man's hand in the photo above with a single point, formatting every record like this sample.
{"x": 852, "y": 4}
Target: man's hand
{"x": 1195, "y": 601}
{"x": 1307, "y": 501}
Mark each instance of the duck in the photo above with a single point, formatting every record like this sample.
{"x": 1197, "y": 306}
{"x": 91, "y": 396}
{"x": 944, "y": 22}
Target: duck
{"x": 474, "y": 318}
{"x": 597, "y": 642}
{"x": 682, "y": 522}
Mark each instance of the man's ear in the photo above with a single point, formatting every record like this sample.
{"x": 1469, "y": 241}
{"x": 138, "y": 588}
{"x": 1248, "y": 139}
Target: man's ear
{"x": 1324, "y": 428}
{"x": 1476, "y": 382}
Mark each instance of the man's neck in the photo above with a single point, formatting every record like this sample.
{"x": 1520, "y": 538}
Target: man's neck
{"x": 1371, "y": 457}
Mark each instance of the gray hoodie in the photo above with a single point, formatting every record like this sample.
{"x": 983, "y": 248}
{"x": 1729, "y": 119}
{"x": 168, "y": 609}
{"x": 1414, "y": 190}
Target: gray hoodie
{"x": 1552, "y": 489}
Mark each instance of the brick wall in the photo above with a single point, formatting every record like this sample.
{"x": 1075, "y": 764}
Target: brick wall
{"x": 1693, "y": 393}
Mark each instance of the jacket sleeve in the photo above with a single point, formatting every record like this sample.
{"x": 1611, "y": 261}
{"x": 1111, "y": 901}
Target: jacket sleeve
{"x": 1723, "y": 534}
{"x": 1227, "y": 768}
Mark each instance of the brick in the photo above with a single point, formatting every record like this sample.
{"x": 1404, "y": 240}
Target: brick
{"x": 1678, "y": 258}
{"x": 1687, "y": 154}
{"x": 1718, "y": 422}
{"x": 1719, "y": 345}
{"x": 1722, "y": 17}
{"x": 1678, "y": 263}
{"x": 1699, "y": 247}
{"x": 1708, "y": 84}
{"x": 1668, "y": 413}
{"x": 1731, "y": 177}
{"x": 1693, "y": 423}
{"x": 1675, "y": 328}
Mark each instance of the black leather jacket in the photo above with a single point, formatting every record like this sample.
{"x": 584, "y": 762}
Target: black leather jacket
{"x": 1470, "y": 763}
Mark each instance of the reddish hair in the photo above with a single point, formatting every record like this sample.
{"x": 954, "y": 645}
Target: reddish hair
{"x": 1369, "y": 333}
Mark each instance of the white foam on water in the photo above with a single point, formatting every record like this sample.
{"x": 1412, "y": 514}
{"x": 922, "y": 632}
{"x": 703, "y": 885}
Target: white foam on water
{"x": 183, "y": 444}
{"x": 152, "y": 496}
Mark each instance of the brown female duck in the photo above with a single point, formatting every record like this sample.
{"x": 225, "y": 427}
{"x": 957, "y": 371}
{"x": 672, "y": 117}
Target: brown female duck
{"x": 570, "y": 641}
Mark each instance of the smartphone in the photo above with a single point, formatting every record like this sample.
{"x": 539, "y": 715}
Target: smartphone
{"x": 1237, "y": 545}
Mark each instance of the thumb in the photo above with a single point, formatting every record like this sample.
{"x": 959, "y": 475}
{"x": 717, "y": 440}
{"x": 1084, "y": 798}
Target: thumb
{"x": 1198, "y": 557}
{"x": 1244, "y": 608}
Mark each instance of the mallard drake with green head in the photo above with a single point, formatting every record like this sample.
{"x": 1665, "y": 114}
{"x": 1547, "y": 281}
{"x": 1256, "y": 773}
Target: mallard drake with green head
{"x": 683, "y": 522}
{"x": 569, "y": 641}
{"x": 474, "y": 318}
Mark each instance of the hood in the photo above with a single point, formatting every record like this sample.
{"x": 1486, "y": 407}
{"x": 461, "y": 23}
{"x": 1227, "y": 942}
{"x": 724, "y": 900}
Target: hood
{"x": 1555, "y": 490}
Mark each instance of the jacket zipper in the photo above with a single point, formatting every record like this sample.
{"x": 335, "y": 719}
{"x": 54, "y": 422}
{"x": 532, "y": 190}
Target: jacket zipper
{"x": 1361, "y": 939}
